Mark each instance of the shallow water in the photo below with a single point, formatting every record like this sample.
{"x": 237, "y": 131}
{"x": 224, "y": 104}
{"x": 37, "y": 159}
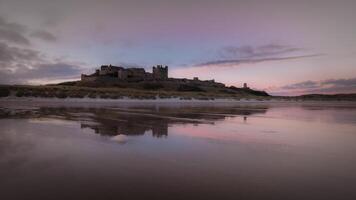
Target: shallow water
{"x": 155, "y": 151}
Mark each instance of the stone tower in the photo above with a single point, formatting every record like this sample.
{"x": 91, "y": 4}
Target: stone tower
{"x": 159, "y": 72}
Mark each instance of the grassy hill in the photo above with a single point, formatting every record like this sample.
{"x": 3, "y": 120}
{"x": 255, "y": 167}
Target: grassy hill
{"x": 142, "y": 90}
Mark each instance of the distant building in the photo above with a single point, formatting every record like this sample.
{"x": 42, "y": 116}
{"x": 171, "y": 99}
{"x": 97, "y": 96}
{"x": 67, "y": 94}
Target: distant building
{"x": 245, "y": 86}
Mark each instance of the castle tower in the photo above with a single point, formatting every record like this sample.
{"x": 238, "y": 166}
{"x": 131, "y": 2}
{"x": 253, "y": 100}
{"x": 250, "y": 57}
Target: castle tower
{"x": 159, "y": 72}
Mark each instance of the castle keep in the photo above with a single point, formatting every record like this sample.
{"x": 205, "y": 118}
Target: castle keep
{"x": 127, "y": 74}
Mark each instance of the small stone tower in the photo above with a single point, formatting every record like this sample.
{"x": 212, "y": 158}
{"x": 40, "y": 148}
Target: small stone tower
{"x": 159, "y": 72}
{"x": 245, "y": 86}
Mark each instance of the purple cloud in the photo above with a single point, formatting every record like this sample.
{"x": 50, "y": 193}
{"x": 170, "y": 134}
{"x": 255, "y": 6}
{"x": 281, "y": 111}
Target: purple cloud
{"x": 232, "y": 56}
{"x": 234, "y": 62}
{"x": 44, "y": 35}
{"x": 13, "y": 32}
{"x": 324, "y": 86}
{"x": 257, "y": 52}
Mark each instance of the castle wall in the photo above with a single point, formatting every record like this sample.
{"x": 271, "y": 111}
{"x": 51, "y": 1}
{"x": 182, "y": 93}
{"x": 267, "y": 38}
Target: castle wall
{"x": 122, "y": 74}
{"x": 88, "y": 78}
{"x": 136, "y": 72}
{"x": 110, "y": 70}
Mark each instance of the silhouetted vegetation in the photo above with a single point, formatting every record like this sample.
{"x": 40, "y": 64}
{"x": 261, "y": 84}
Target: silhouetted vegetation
{"x": 4, "y": 92}
{"x": 189, "y": 88}
{"x": 61, "y": 95}
{"x": 250, "y": 91}
{"x": 183, "y": 92}
{"x": 152, "y": 86}
{"x": 134, "y": 91}
{"x": 20, "y": 93}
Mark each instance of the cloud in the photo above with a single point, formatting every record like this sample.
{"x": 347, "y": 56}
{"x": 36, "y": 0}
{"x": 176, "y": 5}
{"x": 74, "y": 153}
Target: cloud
{"x": 231, "y": 56}
{"x": 257, "y": 52}
{"x": 19, "y": 63}
{"x": 13, "y": 32}
{"x": 10, "y": 54}
{"x": 11, "y": 36}
{"x": 324, "y": 86}
{"x": 340, "y": 82}
{"x": 235, "y": 62}
{"x": 44, "y": 35}
{"x": 57, "y": 70}
{"x": 43, "y": 71}
{"x": 302, "y": 85}
{"x": 24, "y": 65}
{"x": 12, "y": 26}
{"x": 17, "y": 33}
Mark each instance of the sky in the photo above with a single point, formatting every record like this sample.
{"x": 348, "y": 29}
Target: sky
{"x": 282, "y": 46}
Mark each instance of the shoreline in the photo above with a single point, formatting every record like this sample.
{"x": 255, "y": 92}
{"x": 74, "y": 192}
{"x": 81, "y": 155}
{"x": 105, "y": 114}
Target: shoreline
{"x": 125, "y": 100}
{"x": 98, "y": 95}
{"x": 23, "y": 105}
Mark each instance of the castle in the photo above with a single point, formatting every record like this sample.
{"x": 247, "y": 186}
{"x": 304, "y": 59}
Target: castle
{"x": 127, "y": 74}
{"x": 109, "y": 75}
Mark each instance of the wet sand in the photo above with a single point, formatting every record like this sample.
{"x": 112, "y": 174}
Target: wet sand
{"x": 150, "y": 150}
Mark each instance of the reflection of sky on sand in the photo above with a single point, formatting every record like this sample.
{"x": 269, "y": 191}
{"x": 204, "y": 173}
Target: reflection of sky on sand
{"x": 52, "y": 121}
{"x": 275, "y": 131}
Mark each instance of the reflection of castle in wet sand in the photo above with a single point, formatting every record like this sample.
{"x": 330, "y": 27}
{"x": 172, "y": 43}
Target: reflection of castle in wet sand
{"x": 128, "y": 129}
{"x": 124, "y": 124}
{"x": 136, "y": 124}
{"x": 138, "y": 121}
